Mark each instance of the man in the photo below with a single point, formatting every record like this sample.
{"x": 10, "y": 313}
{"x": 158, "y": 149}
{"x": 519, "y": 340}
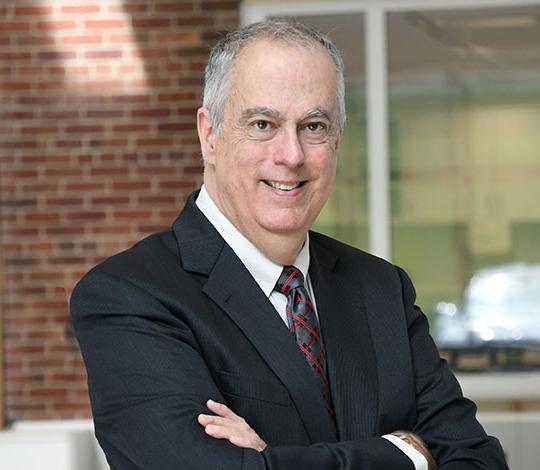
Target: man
{"x": 235, "y": 339}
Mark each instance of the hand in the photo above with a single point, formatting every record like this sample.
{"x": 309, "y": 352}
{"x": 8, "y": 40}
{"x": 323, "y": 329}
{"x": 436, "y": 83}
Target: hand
{"x": 230, "y": 426}
{"x": 415, "y": 441}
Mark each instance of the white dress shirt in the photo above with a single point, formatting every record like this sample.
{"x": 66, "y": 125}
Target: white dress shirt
{"x": 266, "y": 273}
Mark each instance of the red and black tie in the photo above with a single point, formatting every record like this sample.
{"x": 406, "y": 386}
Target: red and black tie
{"x": 304, "y": 326}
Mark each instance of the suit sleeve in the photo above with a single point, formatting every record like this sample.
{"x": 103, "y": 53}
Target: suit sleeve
{"x": 148, "y": 381}
{"x": 445, "y": 419}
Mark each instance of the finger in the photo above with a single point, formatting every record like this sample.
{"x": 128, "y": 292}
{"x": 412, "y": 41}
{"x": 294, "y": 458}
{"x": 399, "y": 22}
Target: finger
{"x": 218, "y": 432}
{"x": 253, "y": 442}
{"x": 205, "y": 419}
{"x": 239, "y": 439}
{"x": 237, "y": 424}
{"x": 221, "y": 409}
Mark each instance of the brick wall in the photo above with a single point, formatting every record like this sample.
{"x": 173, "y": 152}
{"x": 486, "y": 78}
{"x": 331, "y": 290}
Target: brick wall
{"x": 98, "y": 148}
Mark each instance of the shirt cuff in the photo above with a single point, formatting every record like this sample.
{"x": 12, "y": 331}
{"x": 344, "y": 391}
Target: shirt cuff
{"x": 419, "y": 461}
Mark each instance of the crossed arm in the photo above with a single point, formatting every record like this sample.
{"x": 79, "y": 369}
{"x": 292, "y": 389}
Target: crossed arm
{"x": 225, "y": 424}
{"x": 148, "y": 381}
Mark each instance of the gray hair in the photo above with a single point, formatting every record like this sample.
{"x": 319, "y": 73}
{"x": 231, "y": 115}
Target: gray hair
{"x": 223, "y": 56}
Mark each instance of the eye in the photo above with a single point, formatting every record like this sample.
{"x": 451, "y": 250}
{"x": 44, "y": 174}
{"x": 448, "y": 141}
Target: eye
{"x": 315, "y": 126}
{"x": 262, "y": 125}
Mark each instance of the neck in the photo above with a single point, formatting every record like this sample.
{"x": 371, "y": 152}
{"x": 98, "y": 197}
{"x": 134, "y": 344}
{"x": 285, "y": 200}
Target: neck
{"x": 281, "y": 249}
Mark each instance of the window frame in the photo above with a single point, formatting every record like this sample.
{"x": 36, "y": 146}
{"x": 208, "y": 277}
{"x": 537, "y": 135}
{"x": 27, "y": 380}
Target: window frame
{"x": 377, "y": 90}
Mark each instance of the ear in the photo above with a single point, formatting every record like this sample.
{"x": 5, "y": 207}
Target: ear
{"x": 337, "y": 143}
{"x": 207, "y": 135}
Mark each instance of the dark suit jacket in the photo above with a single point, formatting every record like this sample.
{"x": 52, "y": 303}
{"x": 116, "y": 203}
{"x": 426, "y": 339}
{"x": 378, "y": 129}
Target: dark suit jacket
{"x": 178, "y": 319}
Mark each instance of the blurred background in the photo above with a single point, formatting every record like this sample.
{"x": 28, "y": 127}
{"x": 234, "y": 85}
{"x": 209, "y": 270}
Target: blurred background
{"x": 439, "y": 172}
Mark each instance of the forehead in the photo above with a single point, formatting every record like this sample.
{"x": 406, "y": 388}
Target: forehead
{"x": 266, "y": 69}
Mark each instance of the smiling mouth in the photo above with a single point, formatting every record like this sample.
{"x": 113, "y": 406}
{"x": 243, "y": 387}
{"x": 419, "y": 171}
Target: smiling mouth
{"x": 283, "y": 186}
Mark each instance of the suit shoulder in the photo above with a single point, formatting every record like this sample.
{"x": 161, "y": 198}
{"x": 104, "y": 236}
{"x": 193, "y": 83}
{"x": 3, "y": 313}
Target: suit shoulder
{"x": 144, "y": 259}
{"x": 349, "y": 254}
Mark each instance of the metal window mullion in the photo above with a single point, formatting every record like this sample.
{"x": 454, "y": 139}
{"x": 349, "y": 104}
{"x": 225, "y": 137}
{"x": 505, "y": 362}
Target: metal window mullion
{"x": 377, "y": 133}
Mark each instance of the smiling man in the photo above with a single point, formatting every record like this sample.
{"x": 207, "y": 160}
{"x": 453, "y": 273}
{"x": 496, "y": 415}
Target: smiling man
{"x": 237, "y": 339}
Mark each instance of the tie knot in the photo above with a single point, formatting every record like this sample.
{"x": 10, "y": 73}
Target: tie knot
{"x": 291, "y": 278}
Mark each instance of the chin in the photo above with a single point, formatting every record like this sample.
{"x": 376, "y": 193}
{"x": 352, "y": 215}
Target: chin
{"x": 285, "y": 226}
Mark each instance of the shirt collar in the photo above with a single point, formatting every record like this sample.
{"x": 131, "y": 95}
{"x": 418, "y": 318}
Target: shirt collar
{"x": 264, "y": 271}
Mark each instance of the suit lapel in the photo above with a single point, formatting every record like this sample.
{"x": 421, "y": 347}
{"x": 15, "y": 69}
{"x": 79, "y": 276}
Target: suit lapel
{"x": 234, "y": 290}
{"x": 351, "y": 362}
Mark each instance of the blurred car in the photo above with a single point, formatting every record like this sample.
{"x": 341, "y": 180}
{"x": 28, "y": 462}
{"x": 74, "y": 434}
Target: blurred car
{"x": 500, "y": 309}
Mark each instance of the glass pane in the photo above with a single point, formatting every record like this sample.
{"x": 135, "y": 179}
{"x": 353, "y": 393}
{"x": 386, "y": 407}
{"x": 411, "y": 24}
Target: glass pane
{"x": 465, "y": 147}
{"x": 345, "y": 214}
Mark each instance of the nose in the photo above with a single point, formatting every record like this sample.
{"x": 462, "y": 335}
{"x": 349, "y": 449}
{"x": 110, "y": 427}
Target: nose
{"x": 290, "y": 151}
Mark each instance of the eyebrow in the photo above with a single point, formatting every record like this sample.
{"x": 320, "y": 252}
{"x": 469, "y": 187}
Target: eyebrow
{"x": 318, "y": 113}
{"x": 259, "y": 111}
{"x": 274, "y": 114}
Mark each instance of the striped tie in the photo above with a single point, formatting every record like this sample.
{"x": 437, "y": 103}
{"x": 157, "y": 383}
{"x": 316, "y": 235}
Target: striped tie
{"x": 304, "y": 326}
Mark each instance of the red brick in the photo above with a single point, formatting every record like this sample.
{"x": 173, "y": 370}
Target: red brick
{"x": 109, "y": 54}
{"x": 114, "y": 158}
{"x": 108, "y": 200}
{"x": 151, "y": 112}
{"x": 110, "y": 229}
{"x": 25, "y": 349}
{"x": 178, "y": 96}
{"x": 56, "y": 25}
{"x": 33, "y": 11}
{"x": 151, "y": 23}
{"x": 158, "y": 141}
{"x": 13, "y": 57}
{"x": 65, "y": 231}
{"x": 132, "y": 215}
{"x": 55, "y": 201}
{"x": 13, "y": 26}
{"x": 81, "y": 9}
{"x": 31, "y": 70}
{"x": 66, "y": 144}
{"x": 106, "y": 113}
{"x": 20, "y": 174}
{"x": 104, "y": 24}
{"x": 174, "y": 6}
{"x": 44, "y": 159}
{"x": 57, "y": 55}
{"x": 37, "y": 100}
{"x": 48, "y": 392}
{"x": 60, "y": 115}
{"x": 63, "y": 172}
{"x": 177, "y": 126}
{"x": 34, "y": 130}
{"x": 46, "y": 276}
{"x": 42, "y": 216}
{"x": 83, "y": 39}
{"x": 214, "y": 5}
{"x": 86, "y": 215}
{"x": 129, "y": 98}
{"x": 131, "y": 185}
{"x": 174, "y": 37}
{"x": 83, "y": 187}
{"x": 66, "y": 260}
{"x": 131, "y": 128}
{"x": 84, "y": 129}
{"x": 128, "y": 8}
{"x": 19, "y": 115}
{"x": 158, "y": 200}
{"x": 110, "y": 171}
{"x": 36, "y": 41}
{"x": 196, "y": 20}
{"x": 105, "y": 84}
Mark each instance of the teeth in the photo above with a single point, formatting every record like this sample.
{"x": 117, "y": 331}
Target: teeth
{"x": 283, "y": 186}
